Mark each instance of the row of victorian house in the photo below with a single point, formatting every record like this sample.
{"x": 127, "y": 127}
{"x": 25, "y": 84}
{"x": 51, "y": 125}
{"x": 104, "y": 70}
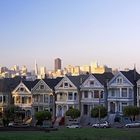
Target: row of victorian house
{"x": 83, "y": 92}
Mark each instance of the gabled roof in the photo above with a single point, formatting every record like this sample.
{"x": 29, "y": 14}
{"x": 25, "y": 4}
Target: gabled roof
{"x": 104, "y": 78}
{"x": 78, "y": 80}
{"x": 9, "y": 84}
{"x": 30, "y": 84}
{"x": 52, "y": 82}
{"x": 131, "y": 75}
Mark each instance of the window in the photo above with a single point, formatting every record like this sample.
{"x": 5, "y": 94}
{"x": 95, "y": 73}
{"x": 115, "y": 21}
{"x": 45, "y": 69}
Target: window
{"x": 46, "y": 98}
{"x": 124, "y": 105}
{"x": 119, "y": 80}
{"x": 124, "y": 92}
{"x": 21, "y": 89}
{"x": 96, "y": 94}
{"x": 102, "y": 94}
{"x": 91, "y": 83}
{"x": 41, "y": 98}
{"x": 36, "y": 98}
{"x": 51, "y": 99}
{"x": 29, "y": 100}
{"x": 61, "y": 96}
{"x": 41, "y": 86}
{"x": 70, "y": 95}
{"x": 112, "y": 93}
{"x": 131, "y": 92}
{"x": 85, "y": 94}
{"x": 65, "y": 84}
{"x": 17, "y": 99}
{"x": 75, "y": 96}
{"x": 0, "y": 99}
{"x": 92, "y": 94}
{"x": 4, "y": 99}
{"x": 24, "y": 100}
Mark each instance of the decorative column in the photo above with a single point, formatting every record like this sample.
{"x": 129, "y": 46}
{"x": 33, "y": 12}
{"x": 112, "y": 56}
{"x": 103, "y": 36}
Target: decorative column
{"x": 108, "y": 106}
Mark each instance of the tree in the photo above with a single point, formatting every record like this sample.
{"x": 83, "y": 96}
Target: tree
{"x": 99, "y": 112}
{"x": 131, "y": 111}
{"x": 41, "y": 116}
{"x": 10, "y": 114}
{"x": 73, "y": 113}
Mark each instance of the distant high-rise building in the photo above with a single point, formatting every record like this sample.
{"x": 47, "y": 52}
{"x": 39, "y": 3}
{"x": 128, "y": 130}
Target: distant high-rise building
{"x": 42, "y": 72}
{"x": 36, "y": 68}
{"x": 57, "y": 64}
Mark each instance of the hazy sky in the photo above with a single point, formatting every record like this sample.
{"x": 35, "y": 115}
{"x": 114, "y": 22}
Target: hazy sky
{"x": 77, "y": 31}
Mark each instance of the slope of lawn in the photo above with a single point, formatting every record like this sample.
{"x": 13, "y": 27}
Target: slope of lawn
{"x": 75, "y": 134}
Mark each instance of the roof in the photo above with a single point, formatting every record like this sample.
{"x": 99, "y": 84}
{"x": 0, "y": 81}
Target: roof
{"x": 52, "y": 82}
{"x": 104, "y": 78}
{"x": 9, "y": 84}
{"x": 30, "y": 84}
{"x": 131, "y": 75}
{"x": 78, "y": 80}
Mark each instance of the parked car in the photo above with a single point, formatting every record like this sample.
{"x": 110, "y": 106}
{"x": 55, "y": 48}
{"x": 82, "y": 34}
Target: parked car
{"x": 74, "y": 125}
{"x": 104, "y": 124}
{"x": 133, "y": 124}
{"x": 12, "y": 124}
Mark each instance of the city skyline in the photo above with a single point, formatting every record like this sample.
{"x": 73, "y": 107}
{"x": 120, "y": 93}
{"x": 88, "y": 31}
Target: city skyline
{"x": 79, "y": 32}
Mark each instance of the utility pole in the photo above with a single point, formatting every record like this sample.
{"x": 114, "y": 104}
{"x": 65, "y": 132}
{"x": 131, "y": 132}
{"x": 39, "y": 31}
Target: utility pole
{"x": 99, "y": 108}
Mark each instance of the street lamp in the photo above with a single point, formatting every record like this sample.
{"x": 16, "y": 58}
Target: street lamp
{"x": 99, "y": 109}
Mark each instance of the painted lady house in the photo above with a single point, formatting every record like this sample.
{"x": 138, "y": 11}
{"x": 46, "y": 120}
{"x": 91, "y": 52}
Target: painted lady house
{"x": 122, "y": 91}
{"x": 43, "y": 95}
{"x": 68, "y": 94}
{"x": 93, "y": 92}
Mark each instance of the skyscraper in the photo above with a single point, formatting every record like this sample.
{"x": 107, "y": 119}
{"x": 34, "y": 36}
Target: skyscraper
{"x": 57, "y": 64}
{"x": 36, "y": 68}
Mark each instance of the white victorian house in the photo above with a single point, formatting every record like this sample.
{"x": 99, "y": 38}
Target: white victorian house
{"x": 22, "y": 96}
{"x": 43, "y": 95}
{"x": 93, "y": 92}
{"x": 67, "y": 94}
{"x": 121, "y": 91}
{"x": 138, "y": 93}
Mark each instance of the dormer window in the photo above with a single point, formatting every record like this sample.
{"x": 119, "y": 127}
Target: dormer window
{"x": 65, "y": 84}
{"x": 119, "y": 80}
{"x": 21, "y": 89}
{"x": 41, "y": 86}
{"x": 92, "y": 83}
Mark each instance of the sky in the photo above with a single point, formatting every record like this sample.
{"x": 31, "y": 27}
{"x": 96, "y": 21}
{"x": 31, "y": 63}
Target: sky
{"x": 77, "y": 31}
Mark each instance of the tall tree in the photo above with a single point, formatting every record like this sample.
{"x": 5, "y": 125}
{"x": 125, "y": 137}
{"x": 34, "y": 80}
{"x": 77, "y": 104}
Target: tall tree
{"x": 131, "y": 111}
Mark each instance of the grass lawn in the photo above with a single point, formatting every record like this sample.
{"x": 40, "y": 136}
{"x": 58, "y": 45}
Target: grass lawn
{"x": 75, "y": 134}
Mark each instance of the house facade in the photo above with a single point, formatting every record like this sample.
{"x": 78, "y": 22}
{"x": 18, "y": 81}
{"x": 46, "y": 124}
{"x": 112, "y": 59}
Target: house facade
{"x": 93, "y": 92}
{"x": 68, "y": 94}
{"x": 120, "y": 92}
{"x": 138, "y": 93}
{"x": 22, "y": 97}
{"x": 6, "y": 87}
{"x": 42, "y": 97}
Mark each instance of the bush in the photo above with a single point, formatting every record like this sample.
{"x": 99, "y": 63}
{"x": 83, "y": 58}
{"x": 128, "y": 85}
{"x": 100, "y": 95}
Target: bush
{"x": 73, "y": 113}
{"x": 99, "y": 109}
{"x": 41, "y": 116}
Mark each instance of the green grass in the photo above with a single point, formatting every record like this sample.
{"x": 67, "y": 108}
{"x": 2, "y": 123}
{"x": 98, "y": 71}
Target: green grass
{"x": 75, "y": 134}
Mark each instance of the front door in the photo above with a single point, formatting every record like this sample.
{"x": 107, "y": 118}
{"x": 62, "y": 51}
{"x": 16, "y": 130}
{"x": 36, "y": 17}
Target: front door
{"x": 85, "y": 109}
